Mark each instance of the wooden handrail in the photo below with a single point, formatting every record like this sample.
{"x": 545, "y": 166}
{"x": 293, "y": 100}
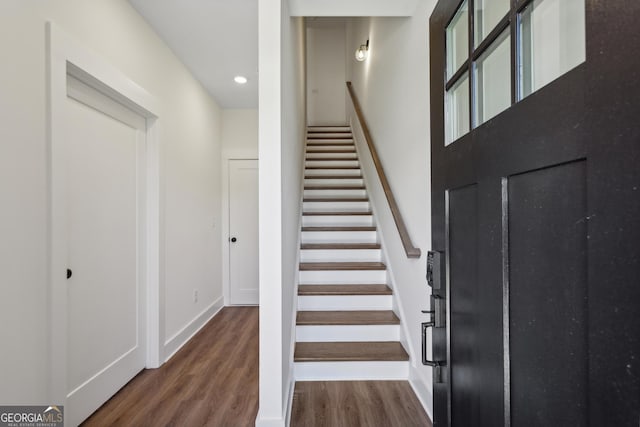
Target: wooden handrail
{"x": 409, "y": 248}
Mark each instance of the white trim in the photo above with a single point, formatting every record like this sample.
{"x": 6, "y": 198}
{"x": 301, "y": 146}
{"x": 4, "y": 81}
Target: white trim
{"x": 352, "y": 371}
{"x": 62, "y": 50}
{"x": 176, "y": 342}
{"x": 289, "y": 401}
{"x": 269, "y": 422}
{"x": 333, "y": 8}
{"x": 227, "y": 156}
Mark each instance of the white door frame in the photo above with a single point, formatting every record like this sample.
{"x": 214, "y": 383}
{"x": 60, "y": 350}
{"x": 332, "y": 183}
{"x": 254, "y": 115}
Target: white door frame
{"x": 66, "y": 56}
{"x": 227, "y": 157}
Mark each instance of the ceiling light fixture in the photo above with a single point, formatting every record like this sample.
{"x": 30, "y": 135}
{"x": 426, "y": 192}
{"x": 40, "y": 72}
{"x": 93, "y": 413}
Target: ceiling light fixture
{"x": 362, "y": 52}
{"x": 240, "y": 79}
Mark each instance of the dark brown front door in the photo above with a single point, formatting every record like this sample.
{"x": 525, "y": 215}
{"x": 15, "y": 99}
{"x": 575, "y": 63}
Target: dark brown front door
{"x": 536, "y": 208}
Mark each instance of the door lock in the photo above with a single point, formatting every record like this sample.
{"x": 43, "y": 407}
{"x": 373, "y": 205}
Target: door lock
{"x": 435, "y": 269}
{"x": 233, "y": 240}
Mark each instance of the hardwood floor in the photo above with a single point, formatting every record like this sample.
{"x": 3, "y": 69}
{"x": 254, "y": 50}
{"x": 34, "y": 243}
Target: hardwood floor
{"x": 357, "y": 404}
{"x": 211, "y": 381}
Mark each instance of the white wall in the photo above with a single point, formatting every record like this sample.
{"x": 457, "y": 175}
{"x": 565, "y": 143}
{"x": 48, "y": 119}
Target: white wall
{"x": 393, "y": 88}
{"x": 240, "y": 132}
{"x": 281, "y": 138}
{"x": 190, "y": 122}
{"x": 326, "y": 72}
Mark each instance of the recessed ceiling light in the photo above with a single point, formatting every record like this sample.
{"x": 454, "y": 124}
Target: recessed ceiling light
{"x": 240, "y": 80}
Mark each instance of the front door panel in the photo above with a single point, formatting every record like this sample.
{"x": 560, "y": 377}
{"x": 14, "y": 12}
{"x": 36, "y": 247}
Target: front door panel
{"x": 535, "y": 204}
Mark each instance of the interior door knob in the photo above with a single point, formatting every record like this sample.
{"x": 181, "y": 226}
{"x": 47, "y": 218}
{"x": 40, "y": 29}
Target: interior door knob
{"x": 233, "y": 240}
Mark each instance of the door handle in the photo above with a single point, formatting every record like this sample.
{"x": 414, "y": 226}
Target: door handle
{"x": 437, "y": 321}
{"x": 233, "y": 240}
{"x": 425, "y": 358}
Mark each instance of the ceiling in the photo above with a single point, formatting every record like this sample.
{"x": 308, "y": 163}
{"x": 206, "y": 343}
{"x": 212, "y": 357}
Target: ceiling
{"x": 216, "y": 39}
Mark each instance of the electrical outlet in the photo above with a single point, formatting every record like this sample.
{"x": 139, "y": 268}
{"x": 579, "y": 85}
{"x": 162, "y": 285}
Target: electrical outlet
{"x": 195, "y": 295}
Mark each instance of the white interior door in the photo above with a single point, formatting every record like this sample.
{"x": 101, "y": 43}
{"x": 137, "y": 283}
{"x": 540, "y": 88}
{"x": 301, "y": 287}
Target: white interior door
{"x": 243, "y": 232}
{"x": 105, "y": 333}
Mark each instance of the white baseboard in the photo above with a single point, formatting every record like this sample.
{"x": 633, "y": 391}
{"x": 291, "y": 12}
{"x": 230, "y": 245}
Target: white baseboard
{"x": 292, "y": 386}
{"x": 423, "y": 391}
{"x": 175, "y": 343}
{"x": 269, "y": 422}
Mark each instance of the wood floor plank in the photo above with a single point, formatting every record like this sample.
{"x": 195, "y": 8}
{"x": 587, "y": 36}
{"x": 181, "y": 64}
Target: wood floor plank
{"x": 357, "y": 403}
{"x": 309, "y": 290}
{"x": 211, "y": 381}
{"x": 350, "y": 351}
{"x": 364, "y": 317}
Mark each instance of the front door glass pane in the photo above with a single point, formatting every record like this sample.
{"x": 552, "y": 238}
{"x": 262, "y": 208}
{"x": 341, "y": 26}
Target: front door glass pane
{"x": 457, "y": 110}
{"x": 552, "y": 41}
{"x": 487, "y": 14}
{"x": 458, "y": 40}
{"x": 493, "y": 79}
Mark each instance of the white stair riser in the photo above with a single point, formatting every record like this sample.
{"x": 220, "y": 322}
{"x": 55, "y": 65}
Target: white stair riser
{"x": 328, "y": 181}
{"x": 344, "y": 302}
{"x": 321, "y": 156}
{"x": 323, "y": 142}
{"x": 340, "y": 255}
{"x": 343, "y": 277}
{"x": 339, "y": 237}
{"x": 332, "y": 172}
{"x": 345, "y": 134}
{"x": 339, "y": 147}
{"x": 350, "y": 371}
{"x": 335, "y": 206}
{"x": 331, "y": 163}
{"x": 329, "y": 129}
{"x": 336, "y": 220}
{"x": 347, "y": 333}
{"x": 335, "y": 193}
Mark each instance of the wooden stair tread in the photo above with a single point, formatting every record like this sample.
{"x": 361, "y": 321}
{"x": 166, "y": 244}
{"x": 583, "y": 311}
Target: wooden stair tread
{"x": 341, "y": 213}
{"x": 311, "y": 144}
{"x": 334, "y": 246}
{"x": 315, "y": 290}
{"x": 368, "y": 317}
{"x": 342, "y": 266}
{"x": 331, "y": 159}
{"x": 334, "y": 187}
{"x": 332, "y": 167}
{"x": 350, "y": 352}
{"x": 335, "y": 199}
{"x": 336, "y": 151}
{"x": 355, "y": 228}
{"x": 333, "y": 177}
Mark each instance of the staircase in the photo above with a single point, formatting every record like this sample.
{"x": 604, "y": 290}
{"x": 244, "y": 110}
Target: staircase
{"x": 345, "y": 327}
